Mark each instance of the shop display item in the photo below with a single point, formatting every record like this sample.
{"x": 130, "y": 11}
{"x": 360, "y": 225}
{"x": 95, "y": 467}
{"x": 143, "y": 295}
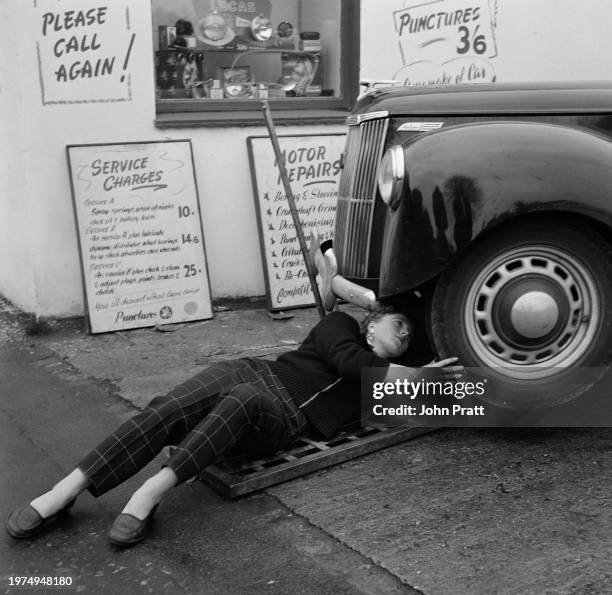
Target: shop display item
{"x": 301, "y": 73}
{"x": 284, "y": 29}
{"x": 179, "y": 74}
{"x": 166, "y": 36}
{"x": 214, "y": 30}
{"x": 216, "y": 91}
{"x": 236, "y": 81}
{"x": 261, "y": 28}
{"x": 310, "y": 41}
{"x": 192, "y": 75}
{"x": 224, "y": 32}
{"x": 184, "y": 34}
{"x": 184, "y": 27}
{"x": 285, "y": 37}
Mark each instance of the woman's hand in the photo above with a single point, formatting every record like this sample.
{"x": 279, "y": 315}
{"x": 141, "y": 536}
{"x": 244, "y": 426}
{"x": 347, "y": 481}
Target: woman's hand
{"x": 448, "y": 370}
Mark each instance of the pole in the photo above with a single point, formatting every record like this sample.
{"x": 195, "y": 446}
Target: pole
{"x": 312, "y": 276}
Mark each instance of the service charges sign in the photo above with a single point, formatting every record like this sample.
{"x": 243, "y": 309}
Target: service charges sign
{"x": 140, "y": 234}
{"x": 313, "y": 168}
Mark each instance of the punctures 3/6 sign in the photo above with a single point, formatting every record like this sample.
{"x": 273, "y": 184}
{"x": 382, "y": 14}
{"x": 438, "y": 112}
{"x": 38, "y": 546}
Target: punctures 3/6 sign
{"x": 446, "y": 42}
{"x": 312, "y": 163}
{"x": 140, "y": 234}
{"x": 83, "y": 51}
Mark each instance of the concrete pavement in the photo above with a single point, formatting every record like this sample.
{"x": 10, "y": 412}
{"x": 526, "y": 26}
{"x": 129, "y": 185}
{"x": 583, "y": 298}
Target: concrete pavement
{"x": 64, "y": 390}
{"x": 459, "y": 511}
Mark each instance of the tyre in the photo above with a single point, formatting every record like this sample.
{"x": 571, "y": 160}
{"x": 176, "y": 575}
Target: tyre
{"x": 530, "y": 305}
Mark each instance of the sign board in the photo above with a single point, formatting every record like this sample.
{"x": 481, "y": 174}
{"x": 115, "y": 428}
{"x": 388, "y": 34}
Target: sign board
{"x": 313, "y": 167}
{"x": 446, "y": 42}
{"x": 84, "y": 50}
{"x": 140, "y": 234}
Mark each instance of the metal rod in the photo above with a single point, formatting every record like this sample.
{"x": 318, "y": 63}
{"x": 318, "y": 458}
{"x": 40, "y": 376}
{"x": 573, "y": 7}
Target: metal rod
{"x": 312, "y": 275}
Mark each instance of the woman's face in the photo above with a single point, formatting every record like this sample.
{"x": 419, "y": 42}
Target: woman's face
{"x": 390, "y": 335}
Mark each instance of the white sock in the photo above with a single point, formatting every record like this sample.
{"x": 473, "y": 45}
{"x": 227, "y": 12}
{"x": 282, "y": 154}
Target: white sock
{"x": 150, "y": 493}
{"x": 60, "y": 494}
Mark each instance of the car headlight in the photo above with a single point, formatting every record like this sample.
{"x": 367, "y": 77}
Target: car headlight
{"x": 391, "y": 173}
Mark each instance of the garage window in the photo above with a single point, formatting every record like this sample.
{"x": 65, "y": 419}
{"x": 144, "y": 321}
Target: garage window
{"x": 228, "y": 55}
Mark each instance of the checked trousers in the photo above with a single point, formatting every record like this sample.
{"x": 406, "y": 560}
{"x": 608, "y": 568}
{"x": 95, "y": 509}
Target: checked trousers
{"x": 232, "y": 402}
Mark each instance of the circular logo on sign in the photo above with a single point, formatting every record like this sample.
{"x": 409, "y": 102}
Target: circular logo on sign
{"x": 166, "y": 312}
{"x": 191, "y": 308}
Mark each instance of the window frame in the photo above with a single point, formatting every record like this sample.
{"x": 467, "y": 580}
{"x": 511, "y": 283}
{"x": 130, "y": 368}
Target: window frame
{"x": 186, "y": 112}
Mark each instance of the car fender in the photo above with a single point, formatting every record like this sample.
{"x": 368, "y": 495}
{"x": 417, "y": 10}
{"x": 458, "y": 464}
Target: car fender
{"x": 464, "y": 180}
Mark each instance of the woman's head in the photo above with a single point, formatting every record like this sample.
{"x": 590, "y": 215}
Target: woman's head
{"x": 387, "y": 331}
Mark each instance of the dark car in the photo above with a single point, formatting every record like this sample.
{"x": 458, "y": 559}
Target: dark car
{"x": 489, "y": 207}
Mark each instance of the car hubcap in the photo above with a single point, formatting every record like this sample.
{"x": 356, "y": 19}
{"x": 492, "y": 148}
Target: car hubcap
{"x": 531, "y": 311}
{"x": 534, "y": 314}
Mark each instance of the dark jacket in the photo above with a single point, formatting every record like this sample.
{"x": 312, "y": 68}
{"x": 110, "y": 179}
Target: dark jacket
{"x": 323, "y": 375}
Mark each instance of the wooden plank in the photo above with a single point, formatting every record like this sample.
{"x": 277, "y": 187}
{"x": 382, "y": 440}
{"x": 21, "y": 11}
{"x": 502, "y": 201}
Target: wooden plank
{"x": 237, "y": 476}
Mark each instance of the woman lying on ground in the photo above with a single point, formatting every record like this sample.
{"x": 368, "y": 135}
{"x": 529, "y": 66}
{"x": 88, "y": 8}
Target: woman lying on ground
{"x": 258, "y": 404}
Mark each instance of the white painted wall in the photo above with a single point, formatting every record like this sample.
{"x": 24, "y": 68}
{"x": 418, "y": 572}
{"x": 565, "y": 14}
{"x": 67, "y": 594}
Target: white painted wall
{"x": 40, "y": 268}
{"x": 535, "y": 40}
{"x": 15, "y": 255}
{"x": 39, "y": 264}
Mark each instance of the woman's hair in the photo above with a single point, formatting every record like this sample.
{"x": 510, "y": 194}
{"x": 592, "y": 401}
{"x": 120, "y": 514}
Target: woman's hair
{"x": 376, "y": 313}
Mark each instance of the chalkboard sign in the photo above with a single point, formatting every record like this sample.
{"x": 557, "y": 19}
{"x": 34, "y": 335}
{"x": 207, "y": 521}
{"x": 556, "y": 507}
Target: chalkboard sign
{"x": 140, "y": 234}
{"x": 313, "y": 168}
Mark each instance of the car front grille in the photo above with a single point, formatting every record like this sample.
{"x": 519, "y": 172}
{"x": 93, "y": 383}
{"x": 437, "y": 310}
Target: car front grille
{"x": 357, "y": 195}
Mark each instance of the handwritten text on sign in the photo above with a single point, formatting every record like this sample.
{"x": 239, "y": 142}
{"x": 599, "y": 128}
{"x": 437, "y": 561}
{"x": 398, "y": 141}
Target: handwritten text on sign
{"x": 140, "y": 234}
{"x": 446, "y": 42}
{"x": 84, "y": 51}
{"x": 313, "y": 169}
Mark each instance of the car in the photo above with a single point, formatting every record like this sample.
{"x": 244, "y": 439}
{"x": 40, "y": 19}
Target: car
{"x": 489, "y": 209}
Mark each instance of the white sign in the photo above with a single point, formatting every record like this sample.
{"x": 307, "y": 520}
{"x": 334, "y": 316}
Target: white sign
{"x": 446, "y": 42}
{"x": 140, "y": 234}
{"x": 83, "y": 50}
{"x": 313, "y": 168}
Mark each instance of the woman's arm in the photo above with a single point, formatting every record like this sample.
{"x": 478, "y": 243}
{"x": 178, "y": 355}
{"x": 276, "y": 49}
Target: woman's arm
{"x": 446, "y": 368}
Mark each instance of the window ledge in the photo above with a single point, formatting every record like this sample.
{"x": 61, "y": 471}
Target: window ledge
{"x": 249, "y": 118}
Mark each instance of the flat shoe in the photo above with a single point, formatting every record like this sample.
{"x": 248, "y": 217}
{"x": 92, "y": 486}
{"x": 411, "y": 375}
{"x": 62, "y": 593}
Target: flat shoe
{"x": 128, "y": 530}
{"x": 25, "y": 522}
{"x": 327, "y": 268}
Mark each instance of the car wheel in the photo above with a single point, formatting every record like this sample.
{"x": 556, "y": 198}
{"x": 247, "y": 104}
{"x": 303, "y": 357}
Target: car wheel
{"x": 530, "y": 305}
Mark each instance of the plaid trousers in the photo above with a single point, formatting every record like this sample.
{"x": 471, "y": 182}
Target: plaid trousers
{"x": 238, "y": 401}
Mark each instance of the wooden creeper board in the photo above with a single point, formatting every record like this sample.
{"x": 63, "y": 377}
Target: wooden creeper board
{"x": 238, "y": 476}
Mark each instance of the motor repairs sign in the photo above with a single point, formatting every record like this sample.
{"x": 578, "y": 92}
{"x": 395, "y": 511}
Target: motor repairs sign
{"x": 140, "y": 234}
{"x": 312, "y": 165}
